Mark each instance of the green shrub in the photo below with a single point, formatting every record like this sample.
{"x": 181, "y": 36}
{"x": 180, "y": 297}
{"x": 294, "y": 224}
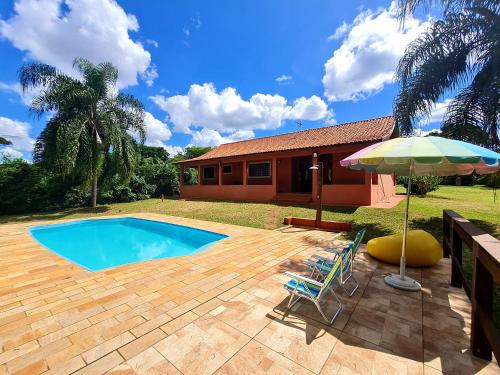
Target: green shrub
{"x": 420, "y": 185}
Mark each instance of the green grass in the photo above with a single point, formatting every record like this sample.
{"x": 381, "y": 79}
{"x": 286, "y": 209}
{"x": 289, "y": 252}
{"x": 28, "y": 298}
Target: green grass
{"x": 475, "y": 203}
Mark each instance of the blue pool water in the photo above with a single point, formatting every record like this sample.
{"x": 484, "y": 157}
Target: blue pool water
{"x": 105, "y": 243}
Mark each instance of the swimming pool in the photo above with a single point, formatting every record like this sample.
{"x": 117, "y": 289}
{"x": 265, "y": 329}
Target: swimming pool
{"x": 104, "y": 243}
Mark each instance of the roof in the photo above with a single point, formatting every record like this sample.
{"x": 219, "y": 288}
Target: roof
{"x": 353, "y": 132}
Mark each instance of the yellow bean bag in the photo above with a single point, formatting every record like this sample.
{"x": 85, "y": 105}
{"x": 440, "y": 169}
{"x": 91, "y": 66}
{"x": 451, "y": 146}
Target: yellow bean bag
{"x": 422, "y": 249}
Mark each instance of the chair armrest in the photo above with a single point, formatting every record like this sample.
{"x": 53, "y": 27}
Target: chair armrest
{"x": 323, "y": 259}
{"x": 318, "y": 266}
{"x": 303, "y": 279}
{"x": 334, "y": 250}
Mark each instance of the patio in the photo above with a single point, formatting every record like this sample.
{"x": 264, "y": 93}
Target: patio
{"x": 222, "y": 311}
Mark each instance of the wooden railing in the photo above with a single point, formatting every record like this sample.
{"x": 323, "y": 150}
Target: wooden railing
{"x": 485, "y": 252}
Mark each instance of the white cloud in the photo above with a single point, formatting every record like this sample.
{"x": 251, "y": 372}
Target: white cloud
{"x": 437, "y": 113}
{"x": 186, "y": 31}
{"x": 26, "y": 97}
{"x": 339, "y": 32}
{"x": 284, "y": 79}
{"x": 313, "y": 108}
{"x": 10, "y": 153}
{"x": 227, "y": 112}
{"x": 57, "y": 31}
{"x": 18, "y": 133}
{"x": 152, "y": 42}
{"x": 173, "y": 150}
{"x": 367, "y": 58}
{"x": 149, "y": 75}
{"x": 422, "y": 133}
{"x": 157, "y": 132}
{"x": 210, "y": 137}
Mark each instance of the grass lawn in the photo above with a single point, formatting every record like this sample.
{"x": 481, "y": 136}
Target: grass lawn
{"x": 475, "y": 203}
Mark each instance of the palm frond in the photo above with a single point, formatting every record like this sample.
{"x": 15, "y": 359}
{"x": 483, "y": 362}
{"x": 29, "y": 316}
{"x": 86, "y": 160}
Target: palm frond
{"x": 36, "y": 74}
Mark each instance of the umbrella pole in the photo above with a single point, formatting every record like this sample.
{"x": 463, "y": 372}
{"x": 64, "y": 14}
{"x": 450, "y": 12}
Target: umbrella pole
{"x": 402, "y": 262}
{"x": 402, "y": 281}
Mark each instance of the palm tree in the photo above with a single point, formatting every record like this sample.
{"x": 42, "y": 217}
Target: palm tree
{"x": 89, "y": 131}
{"x": 458, "y": 55}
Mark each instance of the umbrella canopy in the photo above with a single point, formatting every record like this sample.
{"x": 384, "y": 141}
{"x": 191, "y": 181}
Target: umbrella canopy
{"x": 421, "y": 156}
{"x": 427, "y": 156}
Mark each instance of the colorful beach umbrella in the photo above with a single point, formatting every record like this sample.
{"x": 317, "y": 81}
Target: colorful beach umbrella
{"x": 421, "y": 156}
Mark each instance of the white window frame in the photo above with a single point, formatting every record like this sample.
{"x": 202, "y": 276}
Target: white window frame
{"x": 227, "y": 165}
{"x": 261, "y": 162}
{"x": 203, "y": 173}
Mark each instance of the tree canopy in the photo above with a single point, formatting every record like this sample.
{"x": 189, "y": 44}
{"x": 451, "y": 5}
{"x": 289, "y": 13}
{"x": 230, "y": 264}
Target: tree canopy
{"x": 88, "y": 135}
{"x": 459, "y": 55}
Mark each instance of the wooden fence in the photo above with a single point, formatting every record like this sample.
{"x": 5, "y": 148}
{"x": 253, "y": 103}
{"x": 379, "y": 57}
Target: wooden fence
{"x": 485, "y": 251}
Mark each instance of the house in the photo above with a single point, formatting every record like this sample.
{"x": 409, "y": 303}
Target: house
{"x": 277, "y": 168}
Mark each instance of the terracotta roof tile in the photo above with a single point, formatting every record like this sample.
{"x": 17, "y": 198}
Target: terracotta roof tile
{"x": 352, "y": 132}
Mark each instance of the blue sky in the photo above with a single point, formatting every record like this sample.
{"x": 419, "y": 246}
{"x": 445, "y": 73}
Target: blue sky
{"x": 212, "y": 72}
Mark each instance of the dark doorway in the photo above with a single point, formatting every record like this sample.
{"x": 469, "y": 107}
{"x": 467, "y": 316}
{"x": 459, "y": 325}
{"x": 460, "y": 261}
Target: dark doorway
{"x": 301, "y": 174}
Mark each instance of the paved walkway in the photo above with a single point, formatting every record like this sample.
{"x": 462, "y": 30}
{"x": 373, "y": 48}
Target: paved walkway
{"x": 221, "y": 311}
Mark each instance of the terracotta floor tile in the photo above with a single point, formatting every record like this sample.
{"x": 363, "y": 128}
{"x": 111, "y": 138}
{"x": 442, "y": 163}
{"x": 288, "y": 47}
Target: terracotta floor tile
{"x": 202, "y": 346}
{"x": 245, "y": 312}
{"x": 256, "y": 359}
{"x": 303, "y": 341}
{"x": 353, "y": 355}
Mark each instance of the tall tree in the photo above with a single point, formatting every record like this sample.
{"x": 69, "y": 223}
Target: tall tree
{"x": 89, "y": 131}
{"x": 459, "y": 54}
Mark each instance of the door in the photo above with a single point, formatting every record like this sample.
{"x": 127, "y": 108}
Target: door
{"x": 301, "y": 175}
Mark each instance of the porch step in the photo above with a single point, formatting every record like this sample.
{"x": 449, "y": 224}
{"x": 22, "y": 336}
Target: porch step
{"x": 293, "y": 198}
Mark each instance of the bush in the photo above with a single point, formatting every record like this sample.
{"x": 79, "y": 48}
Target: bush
{"x": 420, "y": 185}
{"x": 26, "y": 187}
{"x": 490, "y": 180}
{"x": 136, "y": 189}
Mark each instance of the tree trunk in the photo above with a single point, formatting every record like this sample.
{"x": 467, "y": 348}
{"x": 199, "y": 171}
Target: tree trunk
{"x": 94, "y": 192}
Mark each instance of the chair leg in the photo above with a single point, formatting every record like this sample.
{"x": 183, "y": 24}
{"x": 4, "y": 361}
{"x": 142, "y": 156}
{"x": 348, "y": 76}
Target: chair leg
{"x": 356, "y": 285}
{"x": 291, "y": 302}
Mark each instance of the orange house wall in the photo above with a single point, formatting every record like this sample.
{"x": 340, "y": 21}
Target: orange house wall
{"x": 349, "y": 187}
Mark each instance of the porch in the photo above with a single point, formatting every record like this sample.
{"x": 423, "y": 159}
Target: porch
{"x": 285, "y": 177}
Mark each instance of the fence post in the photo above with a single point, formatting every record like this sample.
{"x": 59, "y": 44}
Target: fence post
{"x": 456, "y": 251}
{"x": 482, "y": 298}
{"x": 446, "y": 235}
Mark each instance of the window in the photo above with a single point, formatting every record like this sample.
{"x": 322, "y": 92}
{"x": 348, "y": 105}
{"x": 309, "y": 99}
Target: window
{"x": 259, "y": 170}
{"x": 209, "y": 173}
{"x": 228, "y": 169}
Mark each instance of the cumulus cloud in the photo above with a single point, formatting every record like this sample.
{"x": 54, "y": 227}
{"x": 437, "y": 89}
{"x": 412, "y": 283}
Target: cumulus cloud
{"x": 284, "y": 79}
{"x": 437, "y": 113}
{"x": 367, "y": 58}
{"x": 157, "y": 132}
{"x": 340, "y": 31}
{"x": 210, "y": 137}
{"x": 10, "y": 153}
{"x": 173, "y": 150}
{"x": 149, "y": 75}
{"x": 18, "y": 133}
{"x": 226, "y": 112}
{"x": 57, "y": 31}
{"x": 15, "y": 88}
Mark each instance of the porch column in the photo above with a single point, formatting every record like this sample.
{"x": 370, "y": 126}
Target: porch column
{"x": 315, "y": 174}
{"x": 199, "y": 175}
{"x": 274, "y": 173}
{"x": 220, "y": 172}
{"x": 245, "y": 172}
